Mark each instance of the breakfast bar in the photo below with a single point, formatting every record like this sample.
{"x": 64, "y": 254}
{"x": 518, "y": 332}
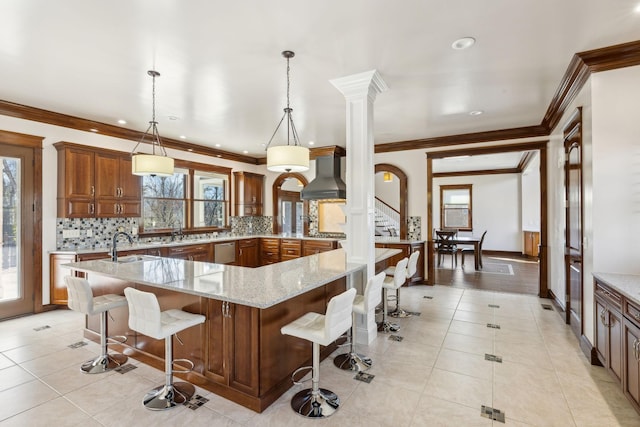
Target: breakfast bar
{"x": 239, "y": 352}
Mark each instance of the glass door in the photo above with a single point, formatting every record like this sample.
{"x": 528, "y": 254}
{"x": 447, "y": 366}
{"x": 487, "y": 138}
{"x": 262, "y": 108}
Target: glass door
{"x": 16, "y": 239}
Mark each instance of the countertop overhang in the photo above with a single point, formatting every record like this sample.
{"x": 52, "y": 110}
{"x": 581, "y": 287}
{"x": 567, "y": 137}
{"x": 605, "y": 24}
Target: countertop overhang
{"x": 260, "y": 287}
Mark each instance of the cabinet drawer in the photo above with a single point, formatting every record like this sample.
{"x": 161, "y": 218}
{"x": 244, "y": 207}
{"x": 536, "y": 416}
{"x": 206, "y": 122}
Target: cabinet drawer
{"x": 609, "y": 295}
{"x": 247, "y": 243}
{"x": 632, "y": 312}
{"x": 290, "y": 248}
{"x": 190, "y": 248}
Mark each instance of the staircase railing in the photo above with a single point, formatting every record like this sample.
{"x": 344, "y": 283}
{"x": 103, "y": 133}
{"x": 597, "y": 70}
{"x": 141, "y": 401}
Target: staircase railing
{"x": 387, "y": 219}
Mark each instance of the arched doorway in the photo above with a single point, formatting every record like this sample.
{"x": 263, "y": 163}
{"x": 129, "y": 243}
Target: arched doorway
{"x": 290, "y": 212}
{"x": 402, "y": 205}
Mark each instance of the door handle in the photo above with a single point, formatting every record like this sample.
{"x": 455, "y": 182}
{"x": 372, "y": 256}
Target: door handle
{"x": 604, "y": 323}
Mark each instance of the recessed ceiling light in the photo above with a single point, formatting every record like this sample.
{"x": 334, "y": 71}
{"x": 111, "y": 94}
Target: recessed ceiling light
{"x": 637, "y": 8}
{"x": 217, "y": 145}
{"x": 94, "y": 130}
{"x": 173, "y": 118}
{"x": 311, "y": 142}
{"x": 183, "y": 137}
{"x": 122, "y": 122}
{"x": 463, "y": 43}
{"x": 475, "y": 112}
{"x": 189, "y": 149}
{"x": 245, "y": 151}
{"x": 219, "y": 155}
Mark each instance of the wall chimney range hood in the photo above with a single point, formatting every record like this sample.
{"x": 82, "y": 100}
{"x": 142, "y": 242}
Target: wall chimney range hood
{"x": 327, "y": 185}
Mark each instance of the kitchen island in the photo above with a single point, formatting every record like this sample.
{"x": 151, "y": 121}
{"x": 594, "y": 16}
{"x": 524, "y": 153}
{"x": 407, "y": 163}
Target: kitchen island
{"x": 239, "y": 352}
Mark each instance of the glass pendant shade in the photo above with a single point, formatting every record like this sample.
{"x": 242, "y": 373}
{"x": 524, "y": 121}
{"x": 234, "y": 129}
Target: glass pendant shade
{"x": 387, "y": 177}
{"x": 288, "y": 158}
{"x": 151, "y": 164}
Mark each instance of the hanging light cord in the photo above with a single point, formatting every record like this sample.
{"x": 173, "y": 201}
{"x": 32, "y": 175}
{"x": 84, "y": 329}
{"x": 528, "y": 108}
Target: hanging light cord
{"x": 153, "y": 125}
{"x": 291, "y": 128}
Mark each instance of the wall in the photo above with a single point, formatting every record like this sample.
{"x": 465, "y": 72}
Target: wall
{"x": 530, "y": 190}
{"x": 388, "y": 192}
{"x": 495, "y": 208}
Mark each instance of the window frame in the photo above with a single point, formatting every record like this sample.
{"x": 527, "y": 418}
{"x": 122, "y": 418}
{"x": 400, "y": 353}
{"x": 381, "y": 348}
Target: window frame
{"x": 443, "y": 189}
{"x": 189, "y": 199}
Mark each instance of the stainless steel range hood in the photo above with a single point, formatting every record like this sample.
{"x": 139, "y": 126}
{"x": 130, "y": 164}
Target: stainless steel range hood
{"x": 327, "y": 184}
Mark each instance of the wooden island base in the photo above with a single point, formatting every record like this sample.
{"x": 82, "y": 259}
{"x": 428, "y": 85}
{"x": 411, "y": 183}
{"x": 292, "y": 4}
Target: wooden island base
{"x": 238, "y": 353}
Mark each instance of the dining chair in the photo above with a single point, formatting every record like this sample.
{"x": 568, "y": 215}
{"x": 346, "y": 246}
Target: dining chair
{"x": 445, "y": 246}
{"x": 471, "y": 250}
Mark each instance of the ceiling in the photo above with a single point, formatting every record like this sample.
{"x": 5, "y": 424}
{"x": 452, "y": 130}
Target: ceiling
{"x": 223, "y": 79}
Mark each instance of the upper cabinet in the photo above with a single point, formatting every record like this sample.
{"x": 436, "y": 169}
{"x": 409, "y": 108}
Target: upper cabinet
{"x": 248, "y": 193}
{"x": 96, "y": 183}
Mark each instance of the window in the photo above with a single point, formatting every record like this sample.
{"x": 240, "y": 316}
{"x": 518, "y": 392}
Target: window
{"x": 455, "y": 207}
{"x": 196, "y": 197}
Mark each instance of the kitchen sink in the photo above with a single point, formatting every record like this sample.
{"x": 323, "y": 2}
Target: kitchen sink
{"x": 131, "y": 258}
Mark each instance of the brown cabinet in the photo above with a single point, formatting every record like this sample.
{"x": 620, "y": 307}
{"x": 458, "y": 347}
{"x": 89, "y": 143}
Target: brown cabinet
{"x": 233, "y": 345}
{"x": 290, "y": 249}
{"x": 96, "y": 183}
{"x": 311, "y": 247}
{"x": 248, "y": 253}
{"x": 248, "y": 193}
{"x": 57, "y": 287}
{"x": 407, "y": 249}
{"x": 269, "y": 250}
{"x": 202, "y": 252}
{"x": 631, "y": 369}
{"x": 531, "y": 243}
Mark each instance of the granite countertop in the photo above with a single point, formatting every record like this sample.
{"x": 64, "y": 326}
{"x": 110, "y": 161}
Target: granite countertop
{"x": 626, "y": 284}
{"x": 260, "y": 287}
{"x": 387, "y": 239}
{"x": 125, "y": 246}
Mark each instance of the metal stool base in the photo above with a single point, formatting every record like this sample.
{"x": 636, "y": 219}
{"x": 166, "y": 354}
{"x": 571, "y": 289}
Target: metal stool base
{"x": 400, "y": 312}
{"x": 167, "y": 397}
{"x": 387, "y": 327}
{"x": 103, "y": 363}
{"x": 321, "y": 405}
{"x": 352, "y": 362}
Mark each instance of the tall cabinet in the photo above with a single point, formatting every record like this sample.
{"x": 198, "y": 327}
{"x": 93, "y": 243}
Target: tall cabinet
{"x": 248, "y": 193}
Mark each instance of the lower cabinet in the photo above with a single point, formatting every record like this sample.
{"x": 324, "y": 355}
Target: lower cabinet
{"x": 233, "y": 332}
{"x": 269, "y": 250}
{"x": 407, "y": 249}
{"x": 248, "y": 253}
{"x": 312, "y": 247}
{"x": 617, "y": 338}
{"x": 290, "y": 249}
{"x": 190, "y": 252}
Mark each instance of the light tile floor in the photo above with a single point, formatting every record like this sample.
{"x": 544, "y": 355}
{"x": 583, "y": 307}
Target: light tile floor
{"x": 436, "y": 376}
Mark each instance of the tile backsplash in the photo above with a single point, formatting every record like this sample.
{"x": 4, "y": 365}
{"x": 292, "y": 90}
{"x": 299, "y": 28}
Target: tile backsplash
{"x": 89, "y": 233}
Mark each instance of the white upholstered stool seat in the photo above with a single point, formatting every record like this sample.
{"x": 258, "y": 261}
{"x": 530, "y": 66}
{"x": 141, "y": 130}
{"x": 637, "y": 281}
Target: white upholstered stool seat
{"x": 362, "y": 304}
{"x": 392, "y": 283}
{"x": 146, "y": 318}
{"x": 412, "y": 268}
{"x": 320, "y": 329}
{"x": 80, "y": 298}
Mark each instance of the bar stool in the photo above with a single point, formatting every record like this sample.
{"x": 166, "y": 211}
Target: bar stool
{"x": 80, "y": 298}
{"x": 412, "y": 268}
{"x": 392, "y": 282}
{"x": 145, "y": 317}
{"x": 320, "y": 329}
{"x": 362, "y": 304}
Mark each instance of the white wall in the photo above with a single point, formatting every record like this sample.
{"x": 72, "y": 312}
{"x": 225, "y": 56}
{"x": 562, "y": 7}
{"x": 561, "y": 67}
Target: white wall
{"x": 530, "y": 190}
{"x": 495, "y": 207}
{"x": 388, "y": 192}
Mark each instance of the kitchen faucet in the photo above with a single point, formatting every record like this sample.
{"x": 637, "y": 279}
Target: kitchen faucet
{"x": 114, "y": 250}
{"x": 175, "y": 233}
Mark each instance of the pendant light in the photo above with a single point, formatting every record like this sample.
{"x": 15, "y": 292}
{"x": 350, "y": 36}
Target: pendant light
{"x": 387, "y": 177}
{"x": 291, "y": 157}
{"x": 152, "y": 164}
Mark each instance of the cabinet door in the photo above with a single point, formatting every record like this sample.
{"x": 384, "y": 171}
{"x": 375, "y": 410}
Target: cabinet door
{"x": 57, "y": 273}
{"x": 248, "y": 253}
{"x": 78, "y": 174}
{"x": 107, "y": 208}
{"x": 79, "y": 208}
{"x": 600, "y": 330}
{"x": 215, "y": 366}
{"x": 242, "y": 334}
{"x": 130, "y": 207}
{"x": 614, "y": 342}
{"x": 631, "y": 344}
{"x": 107, "y": 175}
{"x": 130, "y": 184}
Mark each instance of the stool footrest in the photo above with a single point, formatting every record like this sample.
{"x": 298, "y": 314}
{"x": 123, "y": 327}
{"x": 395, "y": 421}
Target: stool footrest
{"x": 183, "y": 371}
{"x": 118, "y": 339}
{"x": 302, "y": 368}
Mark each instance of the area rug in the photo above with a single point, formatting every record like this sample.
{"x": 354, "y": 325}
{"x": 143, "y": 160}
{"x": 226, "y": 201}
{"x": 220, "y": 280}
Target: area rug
{"x": 496, "y": 268}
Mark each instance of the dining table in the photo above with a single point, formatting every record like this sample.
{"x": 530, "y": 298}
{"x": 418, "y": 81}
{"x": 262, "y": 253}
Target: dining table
{"x": 466, "y": 240}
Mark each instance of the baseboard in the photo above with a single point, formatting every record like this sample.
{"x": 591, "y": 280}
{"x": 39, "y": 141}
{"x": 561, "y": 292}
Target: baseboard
{"x": 556, "y": 302}
{"x": 510, "y": 254}
{"x": 589, "y": 351}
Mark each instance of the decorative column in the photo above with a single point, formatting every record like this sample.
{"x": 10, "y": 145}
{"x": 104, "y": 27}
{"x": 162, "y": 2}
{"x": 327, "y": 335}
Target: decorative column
{"x": 360, "y": 92}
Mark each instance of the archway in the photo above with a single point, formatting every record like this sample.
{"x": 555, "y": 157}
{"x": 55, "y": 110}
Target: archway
{"x": 403, "y": 196}
{"x": 280, "y": 195}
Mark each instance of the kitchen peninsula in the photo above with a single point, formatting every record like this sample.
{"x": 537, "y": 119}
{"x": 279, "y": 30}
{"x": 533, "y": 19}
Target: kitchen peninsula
{"x": 239, "y": 352}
